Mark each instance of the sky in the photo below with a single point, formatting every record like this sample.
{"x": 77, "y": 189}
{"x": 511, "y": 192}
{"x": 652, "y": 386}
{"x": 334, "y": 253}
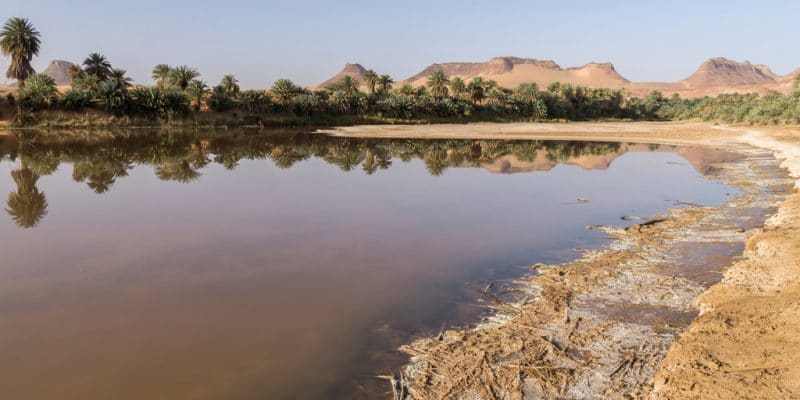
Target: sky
{"x": 308, "y": 41}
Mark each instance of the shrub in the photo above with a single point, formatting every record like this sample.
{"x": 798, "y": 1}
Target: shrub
{"x": 220, "y": 100}
{"x": 85, "y": 82}
{"x": 306, "y": 104}
{"x": 349, "y": 103}
{"x": 114, "y": 97}
{"x": 157, "y": 102}
{"x": 284, "y": 90}
{"x": 254, "y": 102}
{"x": 76, "y": 100}
{"x": 39, "y": 92}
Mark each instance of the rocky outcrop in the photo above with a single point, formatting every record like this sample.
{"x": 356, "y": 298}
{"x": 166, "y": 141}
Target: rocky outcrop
{"x": 512, "y": 71}
{"x": 724, "y": 72}
{"x": 355, "y": 71}
{"x": 715, "y": 76}
{"x": 59, "y": 70}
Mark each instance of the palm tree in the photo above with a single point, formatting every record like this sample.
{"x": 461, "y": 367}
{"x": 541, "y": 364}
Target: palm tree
{"x": 346, "y": 85}
{"x": 230, "y": 85}
{"x": 407, "y": 90}
{"x": 20, "y": 41}
{"x": 197, "y": 91}
{"x": 27, "y": 206}
{"x": 161, "y": 74}
{"x": 527, "y": 92}
{"x": 458, "y": 87}
{"x": 284, "y": 90}
{"x": 118, "y": 77}
{"x": 385, "y": 84}
{"x": 97, "y": 65}
{"x": 796, "y": 85}
{"x": 182, "y": 76}
{"x": 437, "y": 83}
{"x": 40, "y": 90}
{"x": 371, "y": 80}
{"x": 477, "y": 90}
{"x": 497, "y": 96}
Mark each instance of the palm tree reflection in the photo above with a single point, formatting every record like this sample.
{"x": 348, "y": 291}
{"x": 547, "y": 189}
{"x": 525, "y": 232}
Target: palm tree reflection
{"x": 178, "y": 171}
{"x": 27, "y": 206}
{"x": 100, "y": 175}
{"x": 181, "y": 156}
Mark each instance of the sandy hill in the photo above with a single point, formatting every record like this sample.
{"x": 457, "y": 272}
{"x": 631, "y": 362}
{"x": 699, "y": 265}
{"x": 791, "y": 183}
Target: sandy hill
{"x": 715, "y": 76}
{"x": 724, "y": 72}
{"x": 513, "y": 71}
{"x": 721, "y": 75}
{"x": 355, "y": 71}
{"x": 59, "y": 71}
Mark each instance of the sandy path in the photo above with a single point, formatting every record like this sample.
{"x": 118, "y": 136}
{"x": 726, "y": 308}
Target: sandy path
{"x": 744, "y": 343}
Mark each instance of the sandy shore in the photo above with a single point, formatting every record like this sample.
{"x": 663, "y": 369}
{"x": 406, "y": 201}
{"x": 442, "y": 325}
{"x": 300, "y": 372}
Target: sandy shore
{"x": 636, "y": 320}
{"x": 633, "y": 132}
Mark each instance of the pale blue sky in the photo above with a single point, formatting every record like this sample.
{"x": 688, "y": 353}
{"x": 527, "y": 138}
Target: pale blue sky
{"x": 307, "y": 41}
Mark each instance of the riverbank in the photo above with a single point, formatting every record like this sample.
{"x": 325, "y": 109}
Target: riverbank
{"x": 656, "y": 315}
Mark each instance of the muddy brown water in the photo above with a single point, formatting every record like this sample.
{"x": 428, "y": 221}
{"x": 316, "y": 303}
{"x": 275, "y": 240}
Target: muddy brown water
{"x": 287, "y": 266}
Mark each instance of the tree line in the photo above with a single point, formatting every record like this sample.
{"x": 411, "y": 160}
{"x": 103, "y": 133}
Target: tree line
{"x": 180, "y": 92}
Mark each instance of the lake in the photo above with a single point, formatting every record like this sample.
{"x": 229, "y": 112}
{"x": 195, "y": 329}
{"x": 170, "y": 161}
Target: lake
{"x": 234, "y": 265}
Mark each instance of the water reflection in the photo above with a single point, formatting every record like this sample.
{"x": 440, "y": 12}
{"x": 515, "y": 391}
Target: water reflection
{"x": 27, "y": 206}
{"x": 271, "y": 283}
{"x": 181, "y": 157}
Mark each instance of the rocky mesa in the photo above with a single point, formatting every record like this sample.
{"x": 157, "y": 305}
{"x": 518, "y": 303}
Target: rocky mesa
{"x": 713, "y": 77}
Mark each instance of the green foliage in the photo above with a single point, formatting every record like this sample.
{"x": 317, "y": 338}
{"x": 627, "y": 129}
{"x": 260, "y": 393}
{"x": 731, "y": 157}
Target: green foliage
{"x": 159, "y": 102}
{"x": 796, "y": 85}
{"x": 477, "y": 90}
{"x": 161, "y": 75}
{"x": 76, "y": 100}
{"x": 772, "y": 108}
{"x": 283, "y": 90}
{"x": 85, "y": 82}
{"x": 219, "y": 100}
{"x": 114, "y": 97}
{"x": 117, "y": 76}
{"x": 437, "y": 84}
{"x": 197, "y": 91}
{"x": 385, "y": 83}
{"x": 39, "y": 92}
{"x": 348, "y": 103}
{"x": 98, "y": 66}
{"x": 371, "y": 80}
{"x": 458, "y": 88}
{"x": 254, "y": 102}
{"x": 407, "y": 90}
{"x": 307, "y": 104}
{"x": 20, "y": 41}
{"x": 182, "y": 76}
{"x": 346, "y": 85}
{"x": 230, "y": 86}
{"x": 442, "y": 99}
